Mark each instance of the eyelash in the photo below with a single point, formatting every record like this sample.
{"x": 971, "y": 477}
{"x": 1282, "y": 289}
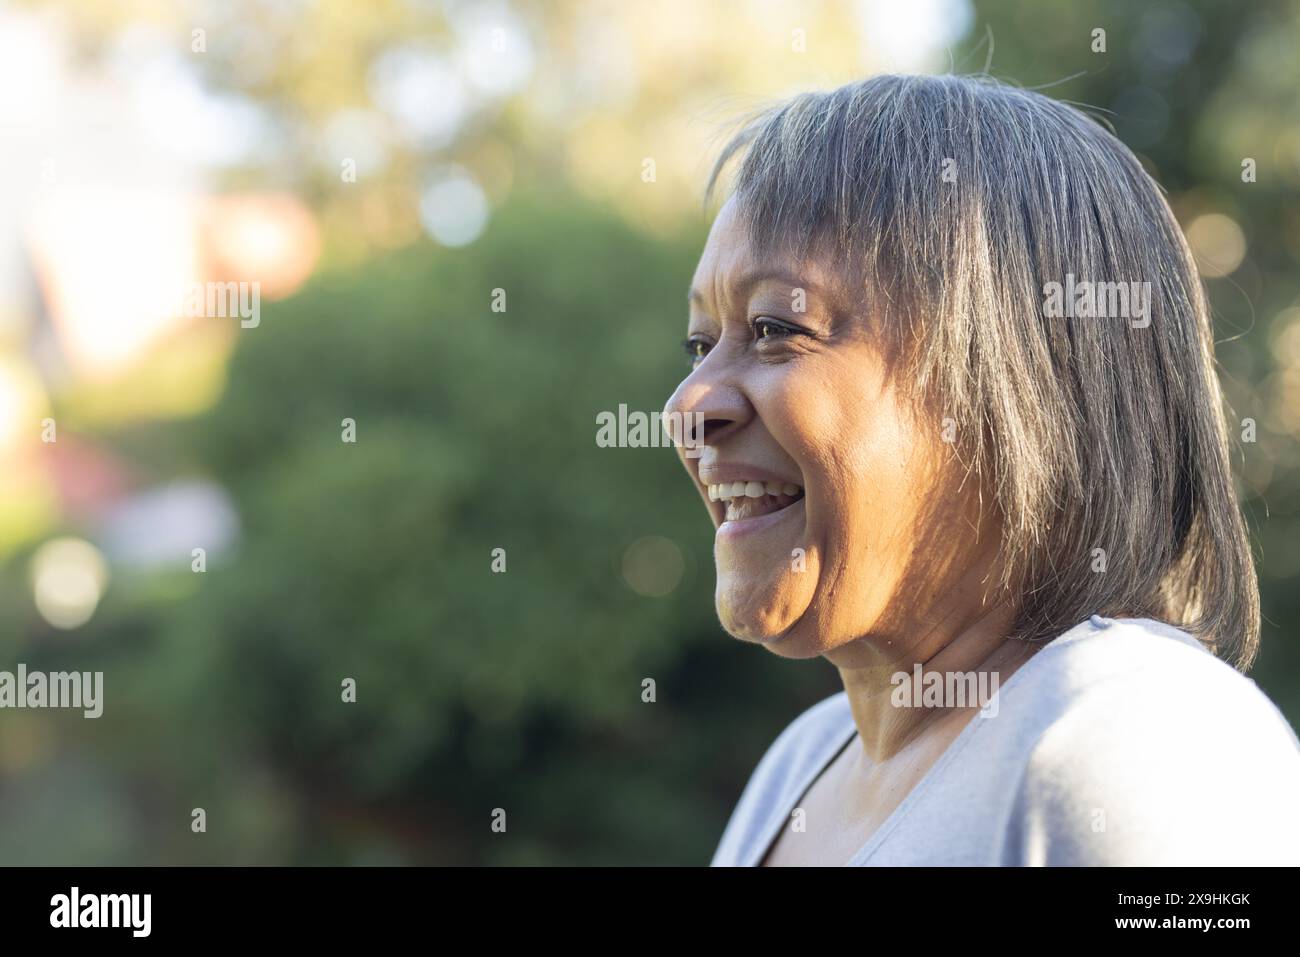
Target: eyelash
{"x": 693, "y": 344}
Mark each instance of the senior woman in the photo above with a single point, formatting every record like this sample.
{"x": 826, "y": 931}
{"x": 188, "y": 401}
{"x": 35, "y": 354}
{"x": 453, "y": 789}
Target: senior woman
{"x": 957, "y": 424}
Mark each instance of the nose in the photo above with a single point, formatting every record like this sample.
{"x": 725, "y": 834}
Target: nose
{"x": 706, "y": 407}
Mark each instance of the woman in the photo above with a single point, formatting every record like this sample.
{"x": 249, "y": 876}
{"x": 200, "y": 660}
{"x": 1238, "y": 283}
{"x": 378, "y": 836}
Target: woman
{"x": 960, "y": 435}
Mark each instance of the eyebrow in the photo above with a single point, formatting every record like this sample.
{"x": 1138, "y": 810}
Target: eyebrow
{"x": 754, "y": 278}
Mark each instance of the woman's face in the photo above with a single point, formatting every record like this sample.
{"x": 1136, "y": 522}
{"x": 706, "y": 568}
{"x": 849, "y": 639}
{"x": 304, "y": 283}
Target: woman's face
{"x": 875, "y": 541}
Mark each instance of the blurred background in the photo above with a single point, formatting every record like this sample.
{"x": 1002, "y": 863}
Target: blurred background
{"x": 383, "y": 169}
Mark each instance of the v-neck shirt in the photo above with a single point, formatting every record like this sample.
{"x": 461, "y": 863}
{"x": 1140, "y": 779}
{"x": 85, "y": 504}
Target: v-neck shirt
{"x": 1122, "y": 741}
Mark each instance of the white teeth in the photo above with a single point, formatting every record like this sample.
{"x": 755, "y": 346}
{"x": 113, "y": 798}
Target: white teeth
{"x": 751, "y": 489}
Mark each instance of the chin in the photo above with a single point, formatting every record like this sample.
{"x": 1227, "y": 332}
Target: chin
{"x": 784, "y": 626}
{"x": 803, "y": 624}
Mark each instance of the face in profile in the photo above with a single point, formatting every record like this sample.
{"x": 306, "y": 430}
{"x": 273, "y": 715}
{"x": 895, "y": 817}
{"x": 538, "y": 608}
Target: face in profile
{"x": 841, "y": 523}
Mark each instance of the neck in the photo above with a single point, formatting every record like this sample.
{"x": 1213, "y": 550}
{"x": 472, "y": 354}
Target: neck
{"x": 975, "y": 645}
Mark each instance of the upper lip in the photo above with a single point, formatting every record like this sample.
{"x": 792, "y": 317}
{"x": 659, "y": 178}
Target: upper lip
{"x": 716, "y": 474}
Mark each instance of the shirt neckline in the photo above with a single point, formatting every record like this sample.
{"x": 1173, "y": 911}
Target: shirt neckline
{"x": 778, "y": 821}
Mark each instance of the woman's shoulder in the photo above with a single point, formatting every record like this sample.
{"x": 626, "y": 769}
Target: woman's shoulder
{"x": 1120, "y": 670}
{"x": 1149, "y": 749}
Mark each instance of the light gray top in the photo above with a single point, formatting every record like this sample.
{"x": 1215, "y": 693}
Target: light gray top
{"x": 1121, "y": 742}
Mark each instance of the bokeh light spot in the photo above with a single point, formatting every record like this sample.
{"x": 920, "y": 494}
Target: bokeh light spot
{"x": 1217, "y": 243}
{"x": 454, "y": 210}
{"x": 653, "y": 566}
{"x": 68, "y": 577}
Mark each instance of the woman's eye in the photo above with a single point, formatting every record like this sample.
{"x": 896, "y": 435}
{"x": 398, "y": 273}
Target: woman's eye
{"x": 696, "y": 349}
{"x": 769, "y": 329}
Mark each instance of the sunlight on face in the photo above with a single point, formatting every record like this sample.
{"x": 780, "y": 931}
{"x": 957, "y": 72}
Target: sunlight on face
{"x": 855, "y": 528}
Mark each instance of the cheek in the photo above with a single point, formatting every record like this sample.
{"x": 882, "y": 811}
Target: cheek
{"x": 811, "y": 418}
{"x": 862, "y": 457}
{"x": 882, "y": 479}
{"x": 874, "y": 497}
{"x": 855, "y": 441}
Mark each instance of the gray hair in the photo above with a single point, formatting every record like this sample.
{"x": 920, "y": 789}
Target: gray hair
{"x": 957, "y": 201}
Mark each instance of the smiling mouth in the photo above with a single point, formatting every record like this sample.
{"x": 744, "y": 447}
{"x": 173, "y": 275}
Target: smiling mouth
{"x": 744, "y": 500}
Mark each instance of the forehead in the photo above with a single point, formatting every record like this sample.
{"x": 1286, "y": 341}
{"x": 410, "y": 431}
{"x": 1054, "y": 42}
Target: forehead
{"x": 731, "y": 264}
